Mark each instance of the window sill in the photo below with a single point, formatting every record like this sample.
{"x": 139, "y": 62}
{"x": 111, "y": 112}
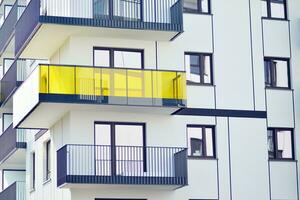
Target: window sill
{"x": 282, "y": 160}
{"x": 47, "y": 181}
{"x": 197, "y": 13}
{"x": 200, "y": 84}
{"x": 279, "y": 88}
{"x": 275, "y": 18}
{"x": 201, "y": 158}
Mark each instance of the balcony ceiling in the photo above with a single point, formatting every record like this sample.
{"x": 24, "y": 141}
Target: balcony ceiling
{"x": 44, "y": 115}
{"x": 43, "y": 47}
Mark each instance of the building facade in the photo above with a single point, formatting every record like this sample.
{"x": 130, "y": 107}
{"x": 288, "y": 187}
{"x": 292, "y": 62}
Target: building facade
{"x": 149, "y": 99}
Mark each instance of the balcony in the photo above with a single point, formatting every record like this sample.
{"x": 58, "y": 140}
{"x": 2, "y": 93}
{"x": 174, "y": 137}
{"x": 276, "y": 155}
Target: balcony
{"x": 13, "y": 145}
{"x": 53, "y": 90}
{"x": 8, "y": 26}
{"x": 16, "y": 191}
{"x": 156, "y": 20}
{"x": 125, "y": 165}
{"x": 12, "y": 79}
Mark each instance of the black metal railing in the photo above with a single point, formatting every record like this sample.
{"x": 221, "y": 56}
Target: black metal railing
{"x": 13, "y": 78}
{"x": 10, "y": 140}
{"x": 122, "y": 165}
{"x": 8, "y": 26}
{"x": 15, "y": 191}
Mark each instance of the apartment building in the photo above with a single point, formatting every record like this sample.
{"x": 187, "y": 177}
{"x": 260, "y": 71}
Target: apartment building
{"x": 149, "y": 99}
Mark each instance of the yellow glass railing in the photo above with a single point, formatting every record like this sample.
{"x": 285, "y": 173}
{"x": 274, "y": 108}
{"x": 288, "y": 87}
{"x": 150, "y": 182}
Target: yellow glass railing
{"x": 166, "y": 88}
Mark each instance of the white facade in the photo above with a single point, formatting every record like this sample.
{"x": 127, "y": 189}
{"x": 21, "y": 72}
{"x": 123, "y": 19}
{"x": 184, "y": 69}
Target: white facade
{"x": 239, "y": 40}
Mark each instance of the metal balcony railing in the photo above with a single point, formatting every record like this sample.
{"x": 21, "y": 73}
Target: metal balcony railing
{"x": 165, "y": 15}
{"x": 10, "y": 140}
{"x": 15, "y": 191}
{"x": 122, "y": 165}
{"x": 13, "y": 78}
{"x": 115, "y": 86}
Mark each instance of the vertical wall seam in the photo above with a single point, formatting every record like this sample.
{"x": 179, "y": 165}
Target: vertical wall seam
{"x": 252, "y": 62}
{"x": 229, "y": 156}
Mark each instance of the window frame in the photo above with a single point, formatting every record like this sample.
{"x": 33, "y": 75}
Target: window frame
{"x": 201, "y": 75}
{"x": 287, "y": 60}
{"x": 111, "y": 56}
{"x": 274, "y": 139}
{"x": 33, "y": 172}
{"x": 203, "y": 127}
{"x": 269, "y": 11}
{"x": 199, "y": 10}
{"x": 47, "y": 168}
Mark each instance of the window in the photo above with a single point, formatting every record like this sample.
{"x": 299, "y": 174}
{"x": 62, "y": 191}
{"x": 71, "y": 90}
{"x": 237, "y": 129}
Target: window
{"x": 32, "y": 181}
{"x": 48, "y": 160}
{"x": 274, "y": 9}
{"x": 121, "y": 146}
{"x": 119, "y": 58}
{"x": 280, "y": 144}
{"x": 196, "y": 6}
{"x": 277, "y": 73}
{"x": 198, "y": 68}
{"x": 201, "y": 141}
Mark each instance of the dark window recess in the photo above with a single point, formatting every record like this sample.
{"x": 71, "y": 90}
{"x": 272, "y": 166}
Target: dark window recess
{"x": 119, "y": 58}
{"x": 201, "y": 141}
{"x": 32, "y": 170}
{"x": 196, "y": 6}
{"x": 280, "y": 144}
{"x": 198, "y": 68}
{"x": 277, "y": 73}
{"x": 48, "y": 161}
{"x": 276, "y": 9}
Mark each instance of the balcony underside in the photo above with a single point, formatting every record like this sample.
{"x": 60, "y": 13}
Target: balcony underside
{"x": 73, "y": 181}
{"x": 39, "y": 46}
{"x": 15, "y": 159}
{"x": 45, "y": 114}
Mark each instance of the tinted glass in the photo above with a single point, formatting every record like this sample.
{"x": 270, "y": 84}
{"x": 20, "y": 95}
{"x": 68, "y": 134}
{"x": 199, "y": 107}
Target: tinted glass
{"x": 271, "y": 146}
{"x": 284, "y": 144}
{"x": 281, "y": 78}
{"x": 209, "y": 142}
{"x": 195, "y": 141}
{"x": 101, "y": 58}
{"x": 127, "y": 59}
{"x": 277, "y": 9}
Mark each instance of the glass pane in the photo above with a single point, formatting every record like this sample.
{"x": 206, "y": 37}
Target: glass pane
{"x": 129, "y": 150}
{"x": 7, "y": 9}
{"x": 101, "y": 58}
{"x": 192, "y": 67}
{"x": 270, "y": 144}
{"x": 44, "y": 79}
{"x": 127, "y": 59}
{"x": 280, "y": 74}
{"x": 195, "y": 141}
{"x": 206, "y": 62}
{"x": 85, "y": 83}
{"x": 277, "y": 9}
{"x": 164, "y": 84}
{"x": 7, "y": 64}
{"x": 284, "y": 144}
{"x": 264, "y": 8}
{"x": 61, "y": 80}
{"x": 139, "y": 84}
{"x": 191, "y": 5}
{"x": 127, "y": 10}
{"x": 204, "y": 6}
{"x": 103, "y": 149}
{"x": 268, "y": 78}
{"x": 101, "y": 8}
{"x": 209, "y": 142}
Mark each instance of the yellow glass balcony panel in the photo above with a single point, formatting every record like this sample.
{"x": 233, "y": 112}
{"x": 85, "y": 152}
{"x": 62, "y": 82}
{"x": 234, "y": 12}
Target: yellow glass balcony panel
{"x": 85, "y": 81}
{"x": 44, "y": 79}
{"x": 181, "y": 85}
{"x": 61, "y": 80}
{"x": 139, "y": 84}
{"x": 164, "y": 85}
{"x": 97, "y": 81}
{"x": 114, "y": 82}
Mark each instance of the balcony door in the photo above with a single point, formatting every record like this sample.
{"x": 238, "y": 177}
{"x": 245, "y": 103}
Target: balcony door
{"x": 118, "y": 9}
{"x": 119, "y": 149}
